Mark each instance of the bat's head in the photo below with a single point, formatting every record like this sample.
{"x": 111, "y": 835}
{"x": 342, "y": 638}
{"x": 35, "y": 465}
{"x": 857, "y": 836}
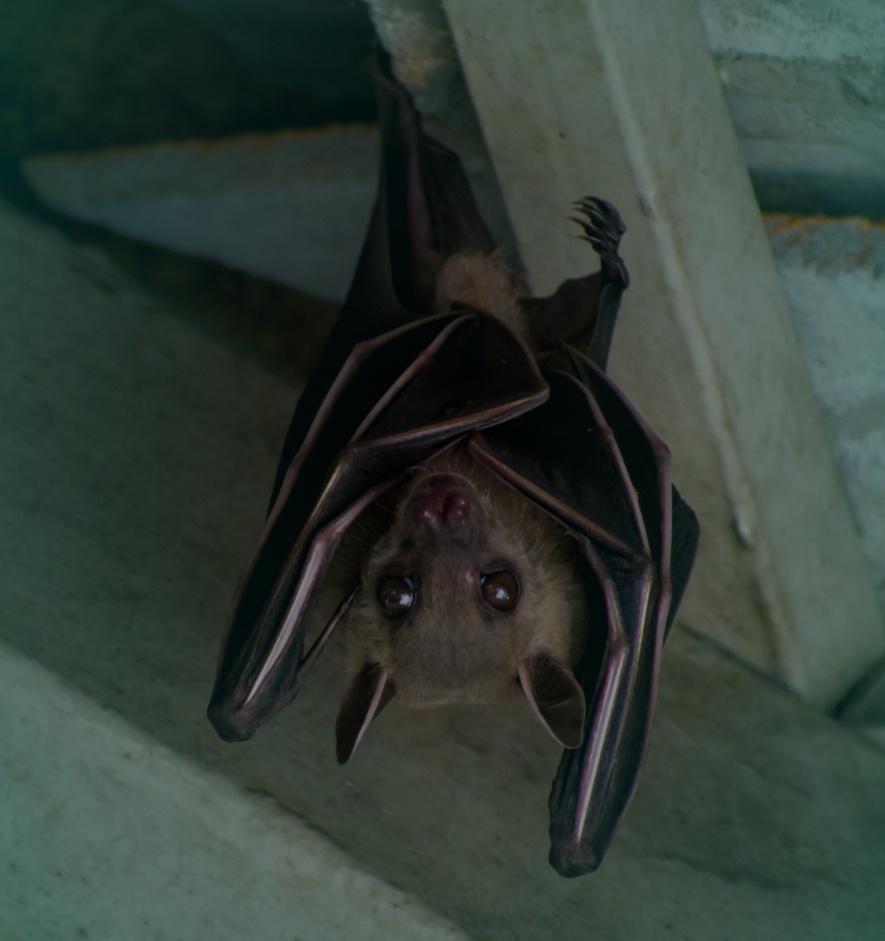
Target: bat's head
{"x": 469, "y": 593}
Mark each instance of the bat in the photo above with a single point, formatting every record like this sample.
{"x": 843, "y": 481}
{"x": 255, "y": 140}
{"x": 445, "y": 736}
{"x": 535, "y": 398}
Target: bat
{"x": 469, "y": 497}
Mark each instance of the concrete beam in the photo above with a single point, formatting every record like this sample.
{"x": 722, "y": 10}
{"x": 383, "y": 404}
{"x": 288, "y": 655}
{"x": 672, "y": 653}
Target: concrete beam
{"x": 289, "y": 206}
{"x": 623, "y": 100}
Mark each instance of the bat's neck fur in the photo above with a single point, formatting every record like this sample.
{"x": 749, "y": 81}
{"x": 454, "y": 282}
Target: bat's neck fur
{"x": 484, "y": 282}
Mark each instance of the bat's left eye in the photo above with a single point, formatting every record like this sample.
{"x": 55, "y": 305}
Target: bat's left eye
{"x": 396, "y": 595}
{"x": 500, "y": 590}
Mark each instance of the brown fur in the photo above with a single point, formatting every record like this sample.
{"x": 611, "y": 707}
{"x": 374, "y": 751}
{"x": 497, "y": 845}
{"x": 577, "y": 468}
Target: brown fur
{"x": 483, "y": 282}
{"x": 450, "y": 647}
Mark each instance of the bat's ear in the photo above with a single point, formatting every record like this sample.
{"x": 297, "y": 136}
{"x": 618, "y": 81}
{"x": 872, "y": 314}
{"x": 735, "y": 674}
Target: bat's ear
{"x": 368, "y": 693}
{"x": 555, "y": 697}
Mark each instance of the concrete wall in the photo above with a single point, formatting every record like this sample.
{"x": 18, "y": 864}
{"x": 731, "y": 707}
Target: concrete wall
{"x": 135, "y": 463}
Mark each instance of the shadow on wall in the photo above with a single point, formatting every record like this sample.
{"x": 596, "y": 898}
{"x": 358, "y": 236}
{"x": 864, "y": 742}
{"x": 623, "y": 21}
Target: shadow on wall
{"x": 809, "y": 193}
{"x": 105, "y": 73}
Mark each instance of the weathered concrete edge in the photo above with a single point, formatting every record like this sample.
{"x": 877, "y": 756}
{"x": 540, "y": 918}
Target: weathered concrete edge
{"x": 254, "y": 863}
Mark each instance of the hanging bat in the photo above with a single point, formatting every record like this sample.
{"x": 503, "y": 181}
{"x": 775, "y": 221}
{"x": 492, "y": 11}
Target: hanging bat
{"x": 487, "y": 511}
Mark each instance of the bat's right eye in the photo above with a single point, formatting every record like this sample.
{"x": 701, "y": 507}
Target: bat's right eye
{"x": 500, "y": 590}
{"x": 396, "y": 595}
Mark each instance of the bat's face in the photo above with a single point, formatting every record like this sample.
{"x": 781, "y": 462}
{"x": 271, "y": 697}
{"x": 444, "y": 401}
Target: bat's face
{"x": 469, "y": 581}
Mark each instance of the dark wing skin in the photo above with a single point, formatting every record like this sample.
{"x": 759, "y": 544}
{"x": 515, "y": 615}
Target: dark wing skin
{"x": 398, "y": 399}
{"x": 590, "y": 461}
{"x": 583, "y": 311}
{"x": 424, "y": 211}
{"x": 587, "y": 457}
{"x": 396, "y": 384}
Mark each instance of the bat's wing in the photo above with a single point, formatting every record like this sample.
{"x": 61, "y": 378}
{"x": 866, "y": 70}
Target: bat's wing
{"x": 684, "y": 547}
{"x": 582, "y": 311}
{"x": 393, "y": 386}
{"x": 398, "y": 399}
{"x": 590, "y": 460}
{"x": 424, "y": 211}
{"x": 587, "y": 457}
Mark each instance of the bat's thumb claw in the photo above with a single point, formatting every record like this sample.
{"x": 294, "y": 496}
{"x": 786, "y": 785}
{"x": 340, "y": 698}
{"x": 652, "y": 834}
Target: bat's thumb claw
{"x": 603, "y": 228}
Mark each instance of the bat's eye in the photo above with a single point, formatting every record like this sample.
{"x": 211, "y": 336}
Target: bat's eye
{"x": 396, "y": 595}
{"x": 500, "y": 590}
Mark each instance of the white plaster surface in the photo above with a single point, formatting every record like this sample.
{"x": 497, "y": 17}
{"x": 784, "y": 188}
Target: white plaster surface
{"x": 134, "y": 468}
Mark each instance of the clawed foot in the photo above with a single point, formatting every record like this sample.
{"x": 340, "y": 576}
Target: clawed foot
{"x": 603, "y": 228}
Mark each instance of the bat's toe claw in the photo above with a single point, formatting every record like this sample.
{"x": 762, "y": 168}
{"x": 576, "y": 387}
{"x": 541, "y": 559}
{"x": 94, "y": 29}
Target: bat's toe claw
{"x": 603, "y": 228}
{"x": 602, "y": 221}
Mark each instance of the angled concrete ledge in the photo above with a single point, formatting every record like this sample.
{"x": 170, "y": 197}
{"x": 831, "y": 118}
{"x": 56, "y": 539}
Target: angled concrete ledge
{"x": 108, "y": 834}
{"x": 289, "y": 206}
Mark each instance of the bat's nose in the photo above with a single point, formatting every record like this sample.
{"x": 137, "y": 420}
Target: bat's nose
{"x": 440, "y": 509}
{"x": 440, "y": 505}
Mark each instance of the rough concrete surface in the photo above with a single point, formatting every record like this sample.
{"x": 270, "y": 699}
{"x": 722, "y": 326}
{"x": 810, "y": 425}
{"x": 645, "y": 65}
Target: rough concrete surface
{"x": 832, "y": 271}
{"x": 803, "y": 83}
{"x": 291, "y": 206}
{"x": 109, "y": 835}
{"x": 135, "y": 467}
{"x": 100, "y": 73}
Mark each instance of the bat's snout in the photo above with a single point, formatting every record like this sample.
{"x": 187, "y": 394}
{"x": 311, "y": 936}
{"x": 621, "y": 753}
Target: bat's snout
{"x": 442, "y": 503}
